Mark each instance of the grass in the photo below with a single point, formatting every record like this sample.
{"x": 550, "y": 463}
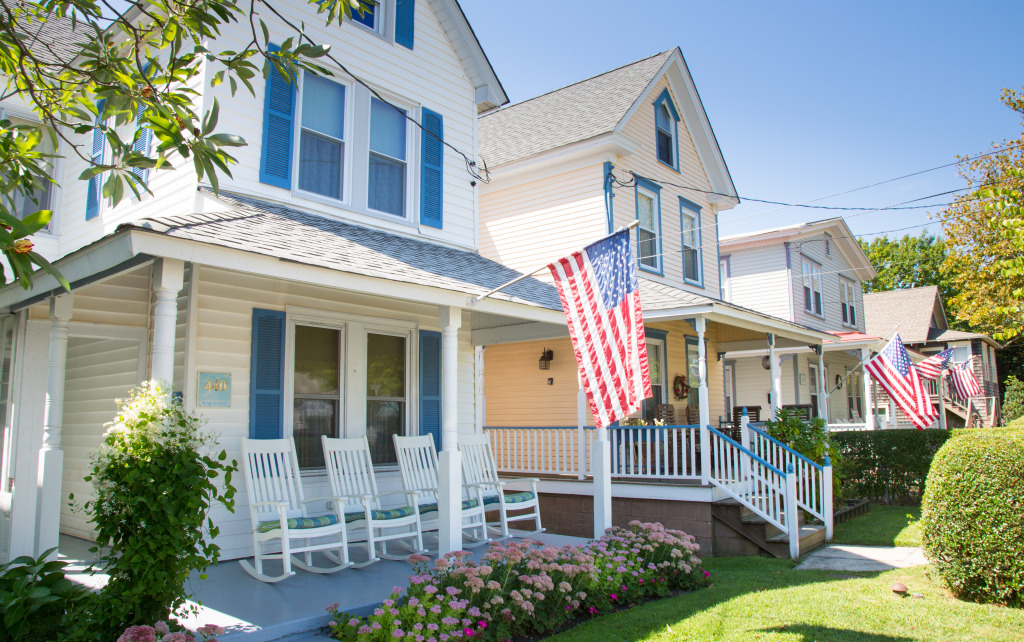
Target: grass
{"x": 756, "y": 598}
{"x": 882, "y": 526}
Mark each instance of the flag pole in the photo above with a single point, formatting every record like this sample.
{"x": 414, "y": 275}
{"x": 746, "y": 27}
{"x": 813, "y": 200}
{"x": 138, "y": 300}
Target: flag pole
{"x": 477, "y": 299}
{"x": 884, "y": 340}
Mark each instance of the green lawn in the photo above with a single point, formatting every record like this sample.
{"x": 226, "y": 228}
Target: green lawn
{"x": 882, "y": 526}
{"x": 756, "y": 598}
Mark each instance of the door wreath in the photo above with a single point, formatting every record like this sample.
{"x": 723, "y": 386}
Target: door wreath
{"x": 680, "y": 388}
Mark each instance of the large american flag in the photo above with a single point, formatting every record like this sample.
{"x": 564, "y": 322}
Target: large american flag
{"x": 932, "y": 367}
{"x": 964, "y": 381}
{"x": 892, "y": 369}
{"x": 601, "y": 298}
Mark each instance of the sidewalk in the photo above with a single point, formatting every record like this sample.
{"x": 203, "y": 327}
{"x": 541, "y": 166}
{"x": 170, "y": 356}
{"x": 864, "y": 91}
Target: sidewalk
{"x": 842, "y": 557}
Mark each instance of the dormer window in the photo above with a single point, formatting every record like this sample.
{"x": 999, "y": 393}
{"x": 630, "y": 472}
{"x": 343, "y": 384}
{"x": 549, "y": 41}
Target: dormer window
{"x": 665, "y": 125}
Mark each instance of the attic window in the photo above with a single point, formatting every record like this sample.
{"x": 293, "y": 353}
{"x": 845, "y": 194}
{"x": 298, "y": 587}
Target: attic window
{"x": 665, "y": 127}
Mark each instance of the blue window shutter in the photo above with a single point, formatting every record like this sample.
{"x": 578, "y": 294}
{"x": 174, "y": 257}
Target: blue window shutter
{"x": 95, "y": 194}
{"x": 432, "y": 170}
{"x": 405, "y": 22}
{"x": 266, "y": 375}
{"x": 430, "y": 385}
{"x": 278, "y": 118}
{"x": 142, "y": 144}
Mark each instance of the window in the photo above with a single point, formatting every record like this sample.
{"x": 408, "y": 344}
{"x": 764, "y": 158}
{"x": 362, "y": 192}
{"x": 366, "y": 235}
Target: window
{"x": 386, "y": 394}
{"x": 373, "y": 19}
{"x": 961, "y": 354}
{"x": 317, "y": 391}
{"x": 648, "y": 212}
{"x": 730, "y": 394}
{"x": 322, "y": 137}
{"x": 689, "y": 214}
{"x": 812, "y": 375}
{"x": 812, "y": 287}
{"x": 724, "y": 279}
{"x": 692, "y": 367}
{"x": 848, "y": 302}
{"x": 656, "y": 365}
{"x": 386, "y": 189}
{"x": 8, "y": 329}
{"x": 665, "y": 119}
{"x": 853, "y": 398}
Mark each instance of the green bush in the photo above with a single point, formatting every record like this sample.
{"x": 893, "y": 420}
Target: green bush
{"x": 888, "y": 466}
{"x": 1013, "y": 400}
{"x": 37, "y": 603}
{"x": 973, "y": 515}
{"x": 154, "y": 489}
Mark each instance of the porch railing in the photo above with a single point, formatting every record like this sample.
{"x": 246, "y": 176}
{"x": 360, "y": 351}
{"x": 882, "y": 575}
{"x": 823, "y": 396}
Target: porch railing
{"x": 553, "y": 450}
{"x": 813, "y": 481}
{"x": 655, "y": 452}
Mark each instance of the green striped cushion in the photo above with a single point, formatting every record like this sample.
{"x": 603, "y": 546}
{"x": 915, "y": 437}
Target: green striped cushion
{"x": 393, "y": 513}
{"x": 432, "y": 507}
{"x": 511, "y": 498}
{"x": 299, "y": 523}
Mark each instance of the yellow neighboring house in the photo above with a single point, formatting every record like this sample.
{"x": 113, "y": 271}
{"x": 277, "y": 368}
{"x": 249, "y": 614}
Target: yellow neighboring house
{"x": 567, "y": 168}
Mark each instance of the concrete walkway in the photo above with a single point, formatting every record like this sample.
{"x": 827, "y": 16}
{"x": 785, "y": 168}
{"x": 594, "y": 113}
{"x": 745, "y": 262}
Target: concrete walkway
{"x": 838, "y": 557}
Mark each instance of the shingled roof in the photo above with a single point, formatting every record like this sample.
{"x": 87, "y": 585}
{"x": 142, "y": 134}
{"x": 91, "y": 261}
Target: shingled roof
{"x": 912, "y": 309}
{"x": 57, "y": 39}
{"x": 292, "y": 235}
{"x": 568, "y": 115}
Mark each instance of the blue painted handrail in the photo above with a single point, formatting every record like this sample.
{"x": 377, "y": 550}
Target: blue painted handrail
{"x": 748, "y": 452}
{"x": 779, "y": 443}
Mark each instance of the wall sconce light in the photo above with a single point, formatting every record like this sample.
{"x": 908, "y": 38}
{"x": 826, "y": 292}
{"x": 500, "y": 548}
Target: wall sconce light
{"x": 839, "y": 380}
{"x": 766, "y": 363}
{"x": 545, "y": 359}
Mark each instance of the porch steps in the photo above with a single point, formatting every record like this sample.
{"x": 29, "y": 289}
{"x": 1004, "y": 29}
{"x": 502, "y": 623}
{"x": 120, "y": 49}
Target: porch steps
{"x": 766, "y": 537}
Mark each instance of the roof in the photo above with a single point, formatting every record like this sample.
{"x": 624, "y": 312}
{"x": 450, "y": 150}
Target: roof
{"x": 57, "y": 39}
{"x": 947, "y": 336}
{"x": 911, "y": 309}
{"x": 292, "y": 235}
{"x": 853, "y": 336}
{"x": 568, "y": 115}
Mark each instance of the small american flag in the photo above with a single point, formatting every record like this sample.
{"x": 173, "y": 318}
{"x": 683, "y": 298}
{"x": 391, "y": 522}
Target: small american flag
{"x": 964, "y": 381}
{"x": 892, "y": 369}
{"x": 601, "y": 299}
{"x": 932, "y": 367}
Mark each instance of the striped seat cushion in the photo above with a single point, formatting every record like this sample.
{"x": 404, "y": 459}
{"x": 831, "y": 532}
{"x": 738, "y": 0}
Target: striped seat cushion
{"x": 392, "y": 513}
{"x": 432, "y": 507}
{"x": 299, "y": 523}
{"x": 511, "y": 498}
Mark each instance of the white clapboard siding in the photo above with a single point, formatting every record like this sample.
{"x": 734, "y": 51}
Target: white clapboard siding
{"x": 225, "y": 303}
{"x": 834, "y": 266}
{"x": 759, "y": 281}
{"x": 99, "y": 371}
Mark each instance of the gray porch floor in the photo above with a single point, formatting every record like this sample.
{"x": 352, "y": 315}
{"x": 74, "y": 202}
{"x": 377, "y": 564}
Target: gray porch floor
{"x": 254, "y": 611}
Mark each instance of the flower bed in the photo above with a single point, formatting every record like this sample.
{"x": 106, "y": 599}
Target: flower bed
{"x": 521, "y": 589}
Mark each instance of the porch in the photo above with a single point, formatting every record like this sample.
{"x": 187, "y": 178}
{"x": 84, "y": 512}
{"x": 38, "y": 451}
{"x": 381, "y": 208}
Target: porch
{"x": 257, "y": 612}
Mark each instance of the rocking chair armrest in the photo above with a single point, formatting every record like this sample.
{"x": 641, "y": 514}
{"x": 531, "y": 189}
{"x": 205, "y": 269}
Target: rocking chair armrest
{"x": 280, "y": 506}
{"x": 338, "y": 499}
{"x": 482, "y": 485}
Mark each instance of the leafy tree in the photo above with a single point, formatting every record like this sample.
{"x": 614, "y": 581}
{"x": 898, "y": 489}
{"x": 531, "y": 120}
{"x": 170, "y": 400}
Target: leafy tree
{"x": 133, "y": 72}
{"x": 1013, "y": 399}
{"x": 909, "y": 262}
{"x": 985, "y": 237}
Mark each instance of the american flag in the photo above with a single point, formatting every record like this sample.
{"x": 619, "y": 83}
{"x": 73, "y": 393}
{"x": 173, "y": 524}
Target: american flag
{"x": 601, "y": 298}
{"x": 964, "y": 381}
{"x": 932, "y": 367}
{"x": 892, "y": 369}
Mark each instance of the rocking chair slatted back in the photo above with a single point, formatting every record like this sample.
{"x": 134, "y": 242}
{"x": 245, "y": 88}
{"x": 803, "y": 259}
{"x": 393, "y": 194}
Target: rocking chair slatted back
{"x": 350, "y": 469}
{"x": 478, "y": 461}
{"x": 417, "y": 462}
{"x": 272, "y": 475}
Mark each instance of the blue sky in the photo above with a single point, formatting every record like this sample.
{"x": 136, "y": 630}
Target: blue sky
{"x": 807, "y": 99}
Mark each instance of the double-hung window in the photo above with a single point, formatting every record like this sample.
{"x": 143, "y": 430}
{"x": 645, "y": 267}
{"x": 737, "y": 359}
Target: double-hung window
{"x": 648, "y": 212}
{"x": 388, "y": 151}
{"x": 689, "y": 216}
{"x": 725, "y": 279}
{"x": 317, "y": 386}
{"x": 372, "y": 19}
{"x": 812, "y": 287}
{"x": 848, "y": 302}
{"x": 812, "y": 375}
{"x": 665, "y": 127}
{"x": 24, "y": 204}
{"x": 322, "y": 138}
{"x": 386, "y": 393}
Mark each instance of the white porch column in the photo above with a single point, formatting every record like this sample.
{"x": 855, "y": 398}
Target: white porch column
{"x": 581, "y": 429}
{"x": 449, "y": 460}
{"x": 601, "y": 469}
{"x": 168, "y": 278}
{"x": 479, "y": 397}
{"x": 51, "y": 455}
{"x": 702, "y": 372}
{"x": 869, "y": 401}
{"x": 775, "y": 396}
{"x": 823, "y": 395}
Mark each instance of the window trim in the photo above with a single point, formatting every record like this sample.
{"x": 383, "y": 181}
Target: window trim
{"x": 56, "y": 168}
{"x": 380, "y": 14}
{"x": 659, "y": 339}
{"x": 725, "y": 278}
{"x": 695, "y": 210}
{"x": 347, "y": 144}
{"x": 408, "y": 207}
{"x": 848, "y": 307}
{"x": 653, "y": 190}
{"x": 664, "y": 98}
{"x": 813, "y": 393}
{"x": 805, "y": 262}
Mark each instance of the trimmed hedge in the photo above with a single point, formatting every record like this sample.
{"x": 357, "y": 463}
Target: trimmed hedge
{"x": 973, "y": 515}
{"x": 888, "y": 466}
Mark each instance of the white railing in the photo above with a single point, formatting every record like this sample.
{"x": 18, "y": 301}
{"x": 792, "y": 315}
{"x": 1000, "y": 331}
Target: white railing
{"x": 655, "y": 452}
{"x": 813, "y": 481}
{"x": 852, "y": 427}
{"x": 556, "y": 450}
{"x": 756, "y": 484}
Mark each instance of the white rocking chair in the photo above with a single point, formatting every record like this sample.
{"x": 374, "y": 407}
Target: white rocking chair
{"x": 480, "y": 471}
{"x": 417, "y": 463}
{"x": 278, "y": 512}
{"x": 350, "y": 472}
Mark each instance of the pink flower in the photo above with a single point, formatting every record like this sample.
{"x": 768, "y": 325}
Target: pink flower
{"x": 141, "y": 633}
{"x": 206, "y": 629}
{"x": 614, "y": 596}
{"x": 178, "y": 637}
{"x": 162, "y": 628}
{"x": 399, "y": 633}
{"x": 468, "y": 631}
{"x": 706, "y": 574}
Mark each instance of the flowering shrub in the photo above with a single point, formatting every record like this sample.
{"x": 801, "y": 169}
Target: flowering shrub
{"x": 522, "y": 589}
{"x": 161, "y": 632}
{"x": 154, "y": 487}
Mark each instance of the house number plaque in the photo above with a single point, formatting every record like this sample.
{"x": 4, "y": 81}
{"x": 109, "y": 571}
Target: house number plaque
{"x": 214, "y": 390}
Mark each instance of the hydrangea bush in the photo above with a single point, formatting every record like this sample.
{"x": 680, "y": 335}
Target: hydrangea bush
{"x": 523, "y": 589}
{"x": 161, "y": 632}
